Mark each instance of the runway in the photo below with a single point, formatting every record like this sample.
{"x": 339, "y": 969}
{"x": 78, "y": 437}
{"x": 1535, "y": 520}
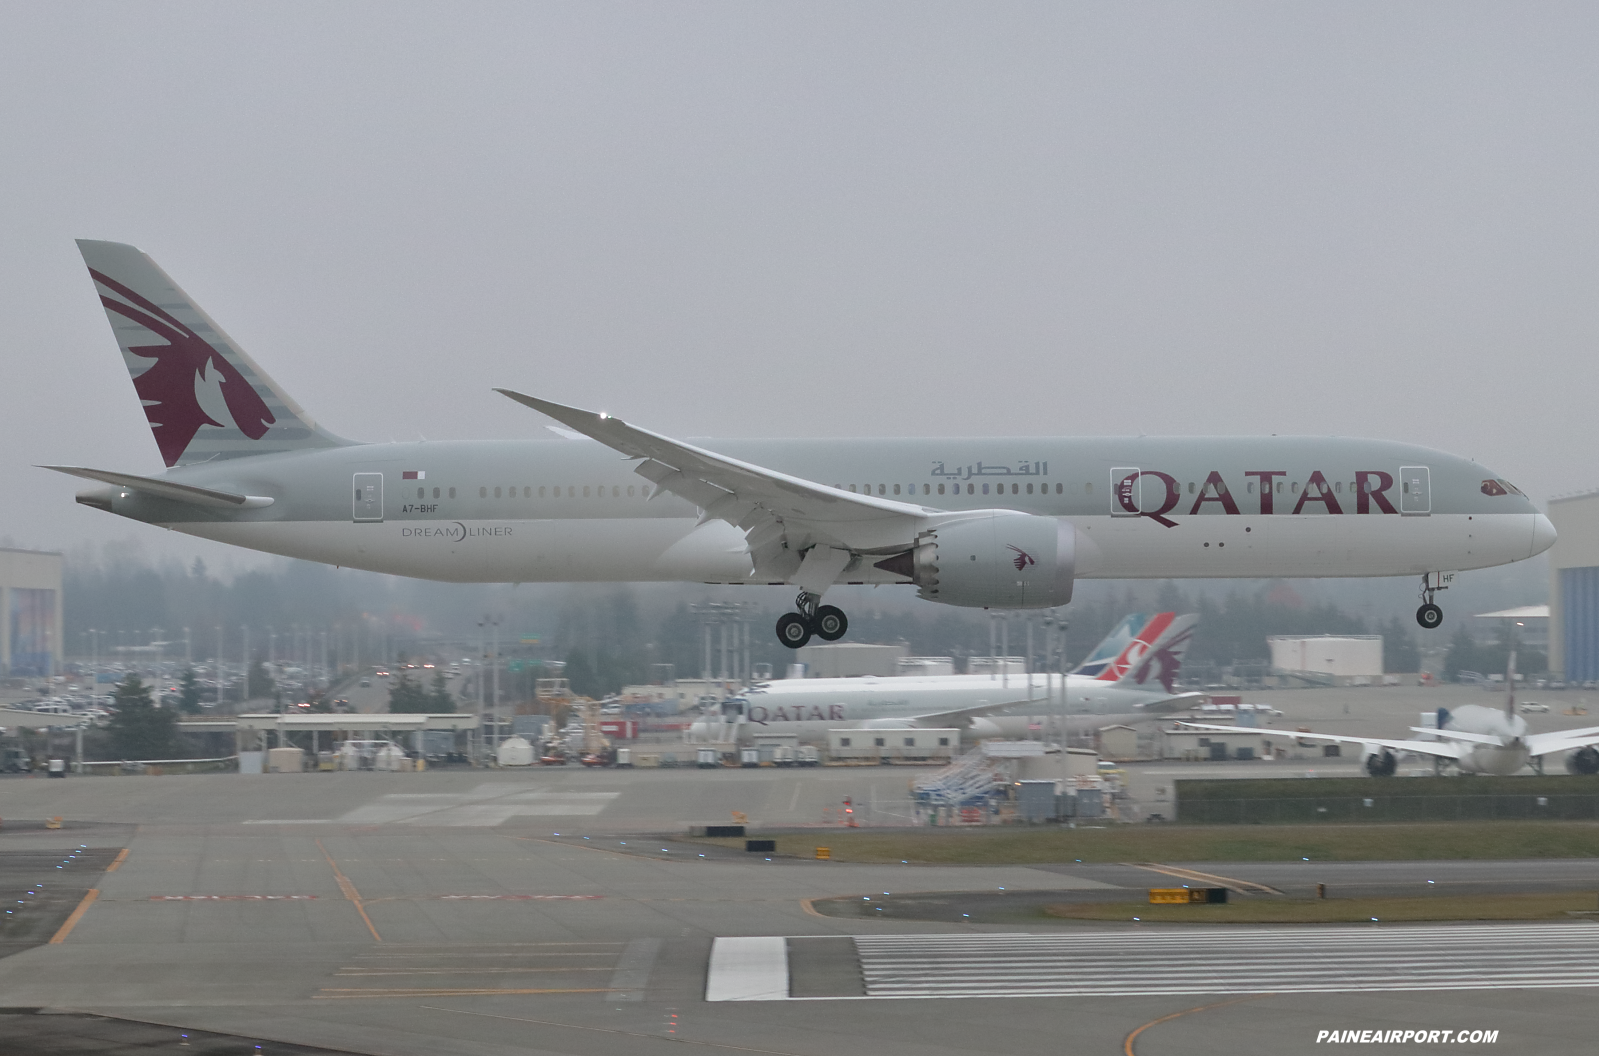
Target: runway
{"x": 1171, "y": 961}
{"x": 412, "y": 915}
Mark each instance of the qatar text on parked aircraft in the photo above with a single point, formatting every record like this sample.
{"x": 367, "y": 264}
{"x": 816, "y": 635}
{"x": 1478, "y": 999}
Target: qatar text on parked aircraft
{"x": 1131, "y": 675}
{"x": 1475, "y": 739}
{"x": 1000, "y": 522}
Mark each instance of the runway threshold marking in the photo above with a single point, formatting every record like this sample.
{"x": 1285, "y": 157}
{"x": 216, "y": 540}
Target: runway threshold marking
{"x": 350, "y": 891}
{"x": 77, "y": 914}
{"x": 117, "y": 864}
{"x": 1127, "y": 1043}
{"x": 611, "y": 1030}
{"x": 1243, "y": 887}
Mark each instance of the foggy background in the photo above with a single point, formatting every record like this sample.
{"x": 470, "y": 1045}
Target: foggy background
{"x": 828, "y": 219}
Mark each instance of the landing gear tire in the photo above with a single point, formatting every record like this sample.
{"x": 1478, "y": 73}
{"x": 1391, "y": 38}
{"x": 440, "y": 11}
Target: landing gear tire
{"x": 830, "y": 623}
{"x": 793, "y": 630}
{"x": 1430, "y": 616}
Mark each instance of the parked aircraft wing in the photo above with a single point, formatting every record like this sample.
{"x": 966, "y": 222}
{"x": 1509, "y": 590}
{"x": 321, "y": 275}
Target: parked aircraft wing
{"x": 1441, "y": 749}
{"x": 782, "y": 516}
{"x": 1561, "y": 741}
{"x": 168, "y": 489}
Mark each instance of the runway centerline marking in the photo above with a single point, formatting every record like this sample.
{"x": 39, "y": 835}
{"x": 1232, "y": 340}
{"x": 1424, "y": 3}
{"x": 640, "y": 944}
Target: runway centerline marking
{"x": 350, "y": 891}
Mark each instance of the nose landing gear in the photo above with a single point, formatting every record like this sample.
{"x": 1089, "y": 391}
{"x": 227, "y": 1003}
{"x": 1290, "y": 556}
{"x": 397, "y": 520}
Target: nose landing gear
{"x": 1429, "y": 616}
{"x": 826, "y": 622}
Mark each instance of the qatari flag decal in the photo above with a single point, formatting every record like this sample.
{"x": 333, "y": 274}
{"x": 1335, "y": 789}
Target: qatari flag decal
{"x": 414, "y": 474}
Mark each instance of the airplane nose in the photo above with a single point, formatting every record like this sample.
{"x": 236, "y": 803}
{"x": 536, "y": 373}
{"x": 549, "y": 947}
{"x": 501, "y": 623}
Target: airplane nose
{"x": 1543, "y": 535}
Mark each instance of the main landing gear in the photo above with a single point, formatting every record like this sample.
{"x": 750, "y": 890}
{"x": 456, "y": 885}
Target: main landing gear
{"x": 826, "y": 622}
{"x": 1430, "y": 615}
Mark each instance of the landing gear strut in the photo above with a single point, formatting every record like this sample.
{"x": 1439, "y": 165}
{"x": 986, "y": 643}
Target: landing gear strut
{"x": 1430, "y": 615}
{"x": 826, "y": 622}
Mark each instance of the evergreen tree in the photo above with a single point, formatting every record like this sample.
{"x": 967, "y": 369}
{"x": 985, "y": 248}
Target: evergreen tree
{"x": 259, "y": 683}
{"x": 440, "y": 702}
{"x": 189, "y": 691}
{"x": 1399, "y": 652}
{"x": 140, "y": 729}
{"x": 406, "y": 696}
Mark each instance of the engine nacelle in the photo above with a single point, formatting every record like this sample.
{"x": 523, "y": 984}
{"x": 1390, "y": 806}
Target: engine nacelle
{"x": 994, "y": 559}
{"x": 1583, "y": 761}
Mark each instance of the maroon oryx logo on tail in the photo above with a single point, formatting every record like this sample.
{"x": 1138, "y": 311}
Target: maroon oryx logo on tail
{"x": 186, "y": 360}
{"x": 1022, "y": 558}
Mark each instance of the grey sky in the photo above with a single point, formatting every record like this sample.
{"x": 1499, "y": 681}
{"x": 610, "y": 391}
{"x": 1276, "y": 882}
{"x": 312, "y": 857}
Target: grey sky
{"x": 816, "y": 219}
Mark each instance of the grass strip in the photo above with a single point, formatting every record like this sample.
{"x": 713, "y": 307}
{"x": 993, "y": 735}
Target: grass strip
{"x": 1426, "y": 841}
{"x": 1556, "y": 906}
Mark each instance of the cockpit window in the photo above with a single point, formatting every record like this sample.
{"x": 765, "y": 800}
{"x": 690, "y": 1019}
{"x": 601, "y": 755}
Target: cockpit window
{"x": 1499, "y": 487}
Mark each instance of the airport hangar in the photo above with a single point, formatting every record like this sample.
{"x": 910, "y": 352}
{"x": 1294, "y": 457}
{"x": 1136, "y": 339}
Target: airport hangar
{"x": 1574, "y": 588}
{"x": 30, "y": 613}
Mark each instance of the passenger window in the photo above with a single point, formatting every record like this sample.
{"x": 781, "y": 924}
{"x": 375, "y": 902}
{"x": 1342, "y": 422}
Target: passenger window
{"x": 1029, "y": 489}
{"x": 1250, "y": 487}
{"x": 452, "y": 493}
{"x": 1088, "y": 489}
{"x": 1339, "y": 487}
{"x": 496, "y": 493}
{"x": 585, "y": 491}
{"x": 1190, "y": 487}
{"x": 435, "y": 493}
{"x": 896, "y": 489}
{"x": 421, "y": 493}
{"x": 616, "y": 491}
{"x": 927, "y": 489}
{"x": 985, "y": 488}
{"x": 541, "y": 493}
{"x": 853, "y": 489}
{"x": 571, "y": 491}
{"x": 482, "y": 493}
{"x": 527, "y": 492}
{"x": 971, "y": 489}
{"x": 630, "y": 491}
{"x": 1279, "y": 487}
{"x": 940, "y": 490}
{"x": 1295, "y": 488}
{"x": 1061, "y": 487}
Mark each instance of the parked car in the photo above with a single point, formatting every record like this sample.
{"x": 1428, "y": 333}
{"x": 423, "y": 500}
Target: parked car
{"x": 1533, "y": 705}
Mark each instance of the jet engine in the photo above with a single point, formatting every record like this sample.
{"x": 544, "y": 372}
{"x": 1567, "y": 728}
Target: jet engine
{"x": 1381, "y": 764}
{"x": 994, "y": 559}
{"x": 1583, "y": 761}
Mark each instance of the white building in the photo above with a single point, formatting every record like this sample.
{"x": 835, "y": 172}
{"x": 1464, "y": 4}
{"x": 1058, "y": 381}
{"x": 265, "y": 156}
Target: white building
{"x": 1330, "y": 659}
{"x": 30, "y": 612}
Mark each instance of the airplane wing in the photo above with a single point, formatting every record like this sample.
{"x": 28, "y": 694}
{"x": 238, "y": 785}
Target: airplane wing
{"x": 1170, "y": 703}
{"x": 1562, "y": 741}
{"x": 168, "y": 489}
{"x": 782, "y": 516}
{"x": 939, "y": 719}
{"x": 1440, "y": 749}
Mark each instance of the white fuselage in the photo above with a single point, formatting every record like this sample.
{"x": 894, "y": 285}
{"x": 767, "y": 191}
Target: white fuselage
{"x": 990, "y": 705}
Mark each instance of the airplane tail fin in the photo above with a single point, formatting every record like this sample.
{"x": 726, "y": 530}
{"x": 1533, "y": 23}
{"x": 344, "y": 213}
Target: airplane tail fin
{"x": 204, "y": 398}
{"x": 1155, "y": 653}
{"x": 1107, "y": 651}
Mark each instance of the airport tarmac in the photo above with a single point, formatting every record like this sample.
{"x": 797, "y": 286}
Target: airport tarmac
{"x": 413, "y": 914}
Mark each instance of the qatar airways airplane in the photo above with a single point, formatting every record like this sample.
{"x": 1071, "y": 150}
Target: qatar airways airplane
{"x": 1127, "y": 677}
{"x": 995, "y": 522}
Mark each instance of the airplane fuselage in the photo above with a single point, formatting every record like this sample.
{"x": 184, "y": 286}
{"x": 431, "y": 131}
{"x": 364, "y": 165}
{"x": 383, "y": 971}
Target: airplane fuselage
{"x": 1145, "y": 507}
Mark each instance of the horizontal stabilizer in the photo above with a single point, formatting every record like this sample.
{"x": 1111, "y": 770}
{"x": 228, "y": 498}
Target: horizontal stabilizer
{"x": 168, "y": 489}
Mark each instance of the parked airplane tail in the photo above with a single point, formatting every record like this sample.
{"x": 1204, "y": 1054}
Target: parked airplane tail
{"x": 204, "y": 398}
{"x": 1156, "y": 653}
{"x": 1108, "y": 650}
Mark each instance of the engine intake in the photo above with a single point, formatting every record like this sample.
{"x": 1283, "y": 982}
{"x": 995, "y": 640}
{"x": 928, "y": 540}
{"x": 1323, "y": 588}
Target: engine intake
{"x": 993, "y": 559}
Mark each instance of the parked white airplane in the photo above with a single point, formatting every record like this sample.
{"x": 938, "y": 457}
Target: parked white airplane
{"x": 1478, "y": 740}
{"x": 992, "y": 523}
{"x": 1140, "y": 676}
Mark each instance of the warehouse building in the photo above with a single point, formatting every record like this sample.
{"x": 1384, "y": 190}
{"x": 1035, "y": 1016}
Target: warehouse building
{"x": 1574, "y": 588}
{"x": 30, "y": 613}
